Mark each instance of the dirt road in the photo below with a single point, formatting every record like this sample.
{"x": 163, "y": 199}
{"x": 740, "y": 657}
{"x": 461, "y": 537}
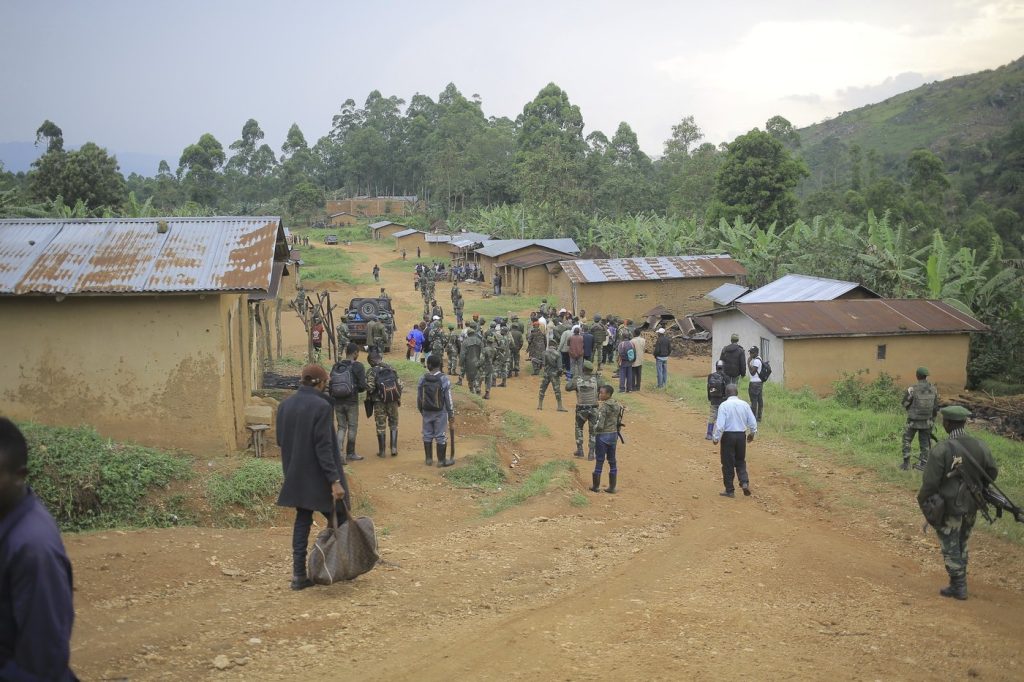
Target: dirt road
{"x": 822, "y": 573}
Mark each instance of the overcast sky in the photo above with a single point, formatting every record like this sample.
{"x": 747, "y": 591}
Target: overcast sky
{"x": 140, "y": 76}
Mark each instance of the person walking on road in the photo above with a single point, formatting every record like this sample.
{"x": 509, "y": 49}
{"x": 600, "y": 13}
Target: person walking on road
{"x": 36, "y": 592}
{"x": 755, "y": 390}
{"x": 435, "y": 405}
{"x": 608, "y": 427}
{"x": 376, "y": 272}
{"x": 640, "y": 346}
{"x": 576, "y": 349}
{"x": 734, "y": 359}
{"x": 662, "y": 351}
{"x": 314, "y": 479}
{"x": 717, "y": 382}
{"x": 921, "y": 401}
{"x": 346, "y": 407}
{"x": 950, "y": 465}
{"x": 384, "y": 393}
{"x": 734, "y": 428}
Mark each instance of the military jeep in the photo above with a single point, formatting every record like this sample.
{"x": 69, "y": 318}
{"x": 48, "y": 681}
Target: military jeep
{"x": 362, "y": 310}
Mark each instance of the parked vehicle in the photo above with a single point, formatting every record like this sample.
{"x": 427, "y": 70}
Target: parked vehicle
{"x": 362, "y": 310}
{"x": 331, "y": 239}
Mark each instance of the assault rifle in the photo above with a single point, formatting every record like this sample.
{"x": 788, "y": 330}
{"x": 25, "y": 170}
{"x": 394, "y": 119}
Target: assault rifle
{"x": 985, "y": 492}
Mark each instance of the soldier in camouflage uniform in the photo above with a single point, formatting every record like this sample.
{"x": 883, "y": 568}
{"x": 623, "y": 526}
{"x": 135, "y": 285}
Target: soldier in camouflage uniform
{"x": 438, "y": 340}
{"x": 600, "y": 333}
{"x": 452, "y": 350}
{"x": 586, "y": 386}
{"x": 472, "y": 347}
{"x": 501, "y": 362}
{"x": 460, "y": 305}
{"x": 515, "y": 345}
{"x": 384, "y": 414}
{"x": 537, "y": 344}
{"x": 950, "y": 463}
{"x": 552, "y": 370}
{"x": 609, "y": 421}
{"x": 300, "y": 302}
{"x": 487, "y": 363}
{"x": 372, "y": 334}
{"x": 921, "y": 402}
{"x": 343, "y": 339}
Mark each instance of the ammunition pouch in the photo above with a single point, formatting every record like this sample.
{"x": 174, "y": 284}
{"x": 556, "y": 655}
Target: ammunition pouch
{"x": 934, "y": 509}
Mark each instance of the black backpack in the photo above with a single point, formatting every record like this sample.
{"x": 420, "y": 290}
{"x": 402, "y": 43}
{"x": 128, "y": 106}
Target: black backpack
{"x": 716, "y": 385}
{"x": 388, "y": 388}
{"x": 766, "y": 370}
{"x": 431, "y": 394}
{"x": 342, "y": 385}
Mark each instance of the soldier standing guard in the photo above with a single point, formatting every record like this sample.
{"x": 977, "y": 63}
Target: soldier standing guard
{"x": 921, "y": 402}
{"x": 609, "y": 424}
{"x": 472, "y": 346}
{"x": 586, "y": 386}
{"x": 552, "y": 370}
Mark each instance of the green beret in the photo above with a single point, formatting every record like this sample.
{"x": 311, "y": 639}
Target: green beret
{"x": 955, "y": 413}
{"x": 451, "y": 326}
{"x": 588, "y": 365}
{"x": 922, "y": 371}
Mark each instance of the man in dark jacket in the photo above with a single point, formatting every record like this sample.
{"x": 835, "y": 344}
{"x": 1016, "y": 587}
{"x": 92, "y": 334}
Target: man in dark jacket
{"x": 717, "y": 382}
{"x": 347, "y": 409}
{"x": 662, "y": 349}
{"x": 36, "y": 610}
{"x": 950, "y": 463}
{"x": 313, "y": 476}
{"x": 734, "y": 360}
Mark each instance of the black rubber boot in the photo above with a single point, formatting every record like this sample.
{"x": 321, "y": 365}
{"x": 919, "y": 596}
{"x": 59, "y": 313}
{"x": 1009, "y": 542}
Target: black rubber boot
{"x": 503, "y": 380}
{"x": 300, "y": 582}
{"x": 394, "y": 442}
{"x": 596, "y": 487}
{"x": 560, "y": 408}
{"x": 579, "y": 452}
{"x": 380, "y": 445}
{"x": 957, "y": 588}
{"x": 428, "y": 450}
{"x": 612, "y": 480}
{"x": 591, "y": 456}
{"x": 487, "y": 395}
{"x": 442, "y": 450}
{"x": 905, "y": 465}
{"x": 540, "y": 403}
{"x": 350, "y": 452}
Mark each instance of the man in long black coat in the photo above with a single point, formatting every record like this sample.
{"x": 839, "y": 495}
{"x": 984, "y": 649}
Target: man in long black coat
{"x": 313, "y": 476}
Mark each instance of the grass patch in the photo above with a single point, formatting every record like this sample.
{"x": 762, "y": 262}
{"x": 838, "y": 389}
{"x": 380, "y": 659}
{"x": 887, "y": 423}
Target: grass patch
{"x": 408, "y": 372}
{"x": 500, "y": 305}
{"x": 353, "y": 233}
{"x": 861, "y": 437}
{"x": 252, "y": 488}
{"x": 322, "y": 264}
{"x": 478, "y": 471}
{"x": 516, "y": 426}
{"x": 555, "y": 473}
{"x": 578, "y": 499}
{"x": 89, "y": 482}
{"x": 408, "y": 265}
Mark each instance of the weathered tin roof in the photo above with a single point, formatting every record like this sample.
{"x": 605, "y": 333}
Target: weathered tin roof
{"x": 860, "y": 317}
{"x": 383, "y": 223}
{"x": 438, "y": 238}
{"x": 529, "y": 260}
{"x": 499, "y": 247}
{"x": 727, "y": 293}
{"x": 802, "y": 288}
{"x": 640, "y": 269}
{"x": 404, "y": 233}
{"x": 111, "y": 256}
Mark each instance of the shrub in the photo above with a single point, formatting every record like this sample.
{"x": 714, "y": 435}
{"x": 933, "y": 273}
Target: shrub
{"x": 253, "y": 487}
{"x": 880, "y": 395}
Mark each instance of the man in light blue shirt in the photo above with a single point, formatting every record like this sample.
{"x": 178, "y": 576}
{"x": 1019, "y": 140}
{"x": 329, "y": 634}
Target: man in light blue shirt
{"x": 734, "y": 427}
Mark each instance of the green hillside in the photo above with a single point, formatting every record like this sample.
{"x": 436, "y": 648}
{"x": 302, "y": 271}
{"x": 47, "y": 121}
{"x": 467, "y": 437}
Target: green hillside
{"x": 950, "y": 117}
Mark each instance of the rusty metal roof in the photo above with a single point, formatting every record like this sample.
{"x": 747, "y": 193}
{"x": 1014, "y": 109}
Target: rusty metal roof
{"x": 530, "y": 260}
{"x": 640, "y": 269}
{"x": 127, "y": 256}
{"x": 802, "y": 288}
{"x": 493, "y": 248}
{"x": 860, "y": 317}
{"x": 727, "y": 293}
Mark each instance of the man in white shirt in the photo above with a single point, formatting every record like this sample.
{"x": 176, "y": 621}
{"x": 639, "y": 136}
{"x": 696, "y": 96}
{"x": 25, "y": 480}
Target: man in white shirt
{"x": 756, "y": 387}
{"x": 734, "y": 427}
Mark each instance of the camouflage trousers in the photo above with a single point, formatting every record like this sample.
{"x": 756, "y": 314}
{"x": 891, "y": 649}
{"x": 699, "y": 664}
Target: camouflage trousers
{"x": 385, "y": 414}
{"x": 501, "y": 368}
{"x": 953, "y": 536}
{"x": 487, "y": 375}
{"x": 453, "y": 361}
{"x": 550, "y": 378}
{"x": 514, "y": 362}
{"x": 473, "y": 376}
{"x": 586, "y": 414}
{"x": 923, "y": 440}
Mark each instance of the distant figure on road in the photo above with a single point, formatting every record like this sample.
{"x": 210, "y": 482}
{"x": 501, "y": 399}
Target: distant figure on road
{"x": 735, "y": 427}
{"x": 497, "y": 284}
{"x": 662, "y": 351}
{"x": 921, "y": 401}
{"x": 36, "y": 610}
{"x": 376, "y": 272}
{"x": 417, "y": 252}
{"x": 403, "y": 254}
{"x": 717, "y": 382}
{"x": 756, "y": 388}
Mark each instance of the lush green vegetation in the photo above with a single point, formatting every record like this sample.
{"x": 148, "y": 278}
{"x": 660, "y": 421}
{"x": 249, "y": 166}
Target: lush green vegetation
{"x": 556, "y": 473}
{"x": 478, "y": 471}
{"x": 246, "y": 494}
{"x": 89, "y": 482}
{"x": 328, "y": 264}
{"x": 861, "y": 436}
{"x": 516, "y": 426}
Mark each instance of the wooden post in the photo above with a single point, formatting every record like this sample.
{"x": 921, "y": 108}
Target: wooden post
{"x": 277, "y": 326}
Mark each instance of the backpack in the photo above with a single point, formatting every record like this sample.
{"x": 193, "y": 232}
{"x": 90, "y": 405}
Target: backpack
{"x": 627, "y": 351}
{"x": 341, "y": 385}
{"x": 431, "y": 394}
{"x": 716, "y": 385}
{"x": 766, "y": 370}
{"x": 388, "y": 388}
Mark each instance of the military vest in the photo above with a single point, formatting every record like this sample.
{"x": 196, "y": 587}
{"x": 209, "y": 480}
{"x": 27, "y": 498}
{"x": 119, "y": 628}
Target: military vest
{"x": 922, "y": 403}
{"x": 586, "y": 387}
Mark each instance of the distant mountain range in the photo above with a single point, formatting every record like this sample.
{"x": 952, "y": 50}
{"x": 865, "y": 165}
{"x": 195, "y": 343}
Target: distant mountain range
{"x": 18, "y": 156}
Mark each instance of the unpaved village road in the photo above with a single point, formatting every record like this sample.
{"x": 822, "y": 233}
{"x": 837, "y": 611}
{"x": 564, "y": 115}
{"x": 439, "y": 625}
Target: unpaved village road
{"x": 822, "y": 574}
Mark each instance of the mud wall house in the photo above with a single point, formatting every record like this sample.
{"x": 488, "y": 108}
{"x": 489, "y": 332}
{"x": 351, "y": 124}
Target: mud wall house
{"x": 438, "y": 245}
{"x": 342, "y": 219}
{"x": 629, "y": 287}
{"x": 495, "y": 251}
{"x": 813, "y": 343}
{"x": 141, "y": 328}
{"x": 529, "y": 274}
{"x": 385, "y": 229}
{"x": 409, "y": 240}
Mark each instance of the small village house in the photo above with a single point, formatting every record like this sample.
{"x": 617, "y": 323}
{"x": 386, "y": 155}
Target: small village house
{"x": 813, "y": 343}
{"x": 438, "y": 245}
{"x": 529, "y": 274}
{"x": 492, "y": 252}
{"x": 410, "y": 239}
{"x": 385, "y": 229}
{"x": 148, "y": 329}
{"x": 342, "y": 219}
{"x": 628, "y": 287}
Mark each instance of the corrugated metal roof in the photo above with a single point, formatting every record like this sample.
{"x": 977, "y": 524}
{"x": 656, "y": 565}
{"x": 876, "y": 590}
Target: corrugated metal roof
{"x": 404, "y": 233}
{"x": 438, "y": 238}
{"x": 383, "y": 223}
{"x": 499, "y": 247}
{"x": 464, "y": 241}
{"x": 640, "y": 269}
{"x": 133, "y": 256}
{"x": 727, "y": 293}
{"x": 529, "y": 260}
{"x": 802, "y": 288}
{"x": 860, "y": 317}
